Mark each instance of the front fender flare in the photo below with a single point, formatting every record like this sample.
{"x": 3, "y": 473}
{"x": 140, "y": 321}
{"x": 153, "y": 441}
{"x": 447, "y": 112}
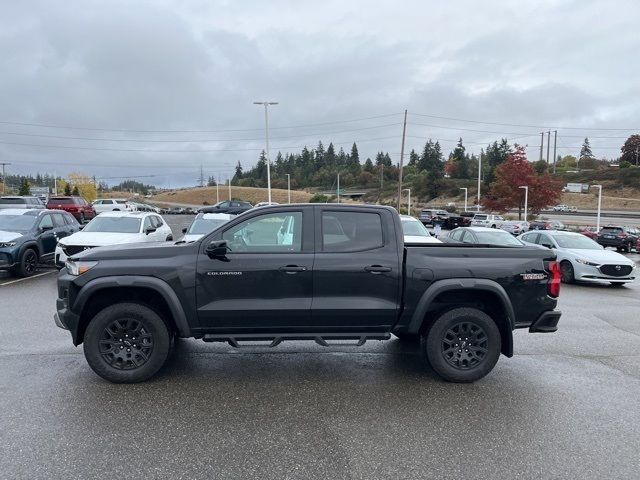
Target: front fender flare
{"x": 133, "y": 281}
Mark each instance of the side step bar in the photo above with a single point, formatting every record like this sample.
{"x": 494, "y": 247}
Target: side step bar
{"x": 322, "y": 339}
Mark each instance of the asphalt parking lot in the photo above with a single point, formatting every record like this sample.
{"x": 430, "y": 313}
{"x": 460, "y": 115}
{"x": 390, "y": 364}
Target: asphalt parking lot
{"x": 565, "y": 406}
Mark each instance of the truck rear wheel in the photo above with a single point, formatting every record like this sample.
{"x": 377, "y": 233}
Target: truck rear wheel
{"x": 126, "y": 343}
{"x": 463, "y": 345}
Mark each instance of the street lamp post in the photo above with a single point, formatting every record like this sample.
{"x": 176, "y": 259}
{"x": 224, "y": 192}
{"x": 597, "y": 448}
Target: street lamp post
{"x": 466, "y": 192}
{"x": 266, "y": 130}
{"x": 599, "y": 205}
{"x": 526, "y": 199}
{"x": 288, "y": 188}
{"x": 408, "y": 190}
{"x": 338, "y": 189}
{"x": 479, "y": 172}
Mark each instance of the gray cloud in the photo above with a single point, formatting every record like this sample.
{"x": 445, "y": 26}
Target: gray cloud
{"x": 199, "y": 66}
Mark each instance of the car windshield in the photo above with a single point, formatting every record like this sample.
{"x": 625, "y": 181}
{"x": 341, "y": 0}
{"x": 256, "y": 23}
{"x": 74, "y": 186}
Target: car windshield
{"x": 480, "y": 217}
{"x": 576, "y": 241}
{"x": 9, "y": 201}
{"x": 615, "y": 230}
{"x": 414, "y": 228}
{"x": 498, "y": 238}
{"x": 60, "y": 201}
{"x": 17, "y": 223}
{"x": 202, "y": 226}
{"x": 113, "y": 225}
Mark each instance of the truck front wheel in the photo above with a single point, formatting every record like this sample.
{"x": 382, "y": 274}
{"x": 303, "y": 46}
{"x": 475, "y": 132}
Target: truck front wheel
{"x": 463, "y": 345}
{"x": 126, "y": 343}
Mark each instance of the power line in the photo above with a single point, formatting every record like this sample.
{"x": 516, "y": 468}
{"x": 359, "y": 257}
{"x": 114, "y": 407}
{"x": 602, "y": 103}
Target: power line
{"x": 67, "y": 127}
{"x": 522, "y": 125}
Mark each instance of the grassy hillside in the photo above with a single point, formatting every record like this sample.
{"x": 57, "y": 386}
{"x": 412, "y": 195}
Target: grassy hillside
{"x": 198, "y": 196}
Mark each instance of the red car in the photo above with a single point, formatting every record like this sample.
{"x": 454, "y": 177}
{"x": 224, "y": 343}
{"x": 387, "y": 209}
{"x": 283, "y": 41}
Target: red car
{"x": 591, "y": 232}
{"x": 76, "y": 206}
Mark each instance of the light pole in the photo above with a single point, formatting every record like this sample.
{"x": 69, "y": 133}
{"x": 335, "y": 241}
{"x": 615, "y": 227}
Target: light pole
{"x": 526, "y": 199}
{"x": 218, "y": 190}
{"x": 408, "y": 190}
{"x": 338, "y": 190}
{"x": 288, "y": 188}
{"x": 266, "y": 130}
{"x": 229, "y": 188}
{"x": 479, "y": 170}
{"x": 466, "y": 192}
{"x": 599, "y": 205}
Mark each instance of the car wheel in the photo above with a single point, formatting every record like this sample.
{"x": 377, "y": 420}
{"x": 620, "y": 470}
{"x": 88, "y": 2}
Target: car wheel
{"x": 566, "y": 272}
{"x": 28, "y": 263}
{"x": 493, "y": 226}
{"x": 126, "y": 343}
{"x": 463, "y": 345}
{"x": 170, "y": 238}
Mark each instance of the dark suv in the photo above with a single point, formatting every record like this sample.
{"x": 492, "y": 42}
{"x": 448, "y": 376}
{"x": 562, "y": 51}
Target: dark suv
{"x": 76, "y": 206}
{"x": 30, "y": 236}
{"x": 428, "y": 215}
{"x": 623, "y": 238}
{"x": 234, "y": 207}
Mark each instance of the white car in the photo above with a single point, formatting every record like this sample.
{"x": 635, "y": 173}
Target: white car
{"x": 486, "y": 220}
{"x": 415, "y": 232}
{"x": 515, "y": 227}
{"x": 265, "y": 204}
{"x": 113, "y": 228}
{"x": 203, "y": 224}
{"x": 102, "y": 205}
{"x": 583, "y": 260}
{"x": 483, "y": 236}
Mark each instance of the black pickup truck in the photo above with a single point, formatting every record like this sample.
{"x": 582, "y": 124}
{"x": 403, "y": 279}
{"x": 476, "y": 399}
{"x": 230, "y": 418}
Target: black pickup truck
{"x": 327, "y": 273}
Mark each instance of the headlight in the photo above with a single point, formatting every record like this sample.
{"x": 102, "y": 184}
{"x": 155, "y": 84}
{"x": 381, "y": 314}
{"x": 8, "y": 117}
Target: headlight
{"x": 7, "y": 244}
{"x": 78, "y": 267}
{"x": 587, "y": 262}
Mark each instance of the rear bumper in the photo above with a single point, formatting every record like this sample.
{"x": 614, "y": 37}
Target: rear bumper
{"x": 547, "y": 322}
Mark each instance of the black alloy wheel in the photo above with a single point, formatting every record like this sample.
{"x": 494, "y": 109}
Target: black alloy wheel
{"x": 126, "y": 344}
{"x": 566, "y": 272}
{"x": 465, "y": 345}
{"x": 28, "y": 263}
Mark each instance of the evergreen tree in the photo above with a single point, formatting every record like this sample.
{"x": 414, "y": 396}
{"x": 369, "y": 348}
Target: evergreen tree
{"x": 211, "y": 182}
{"x": 24, "y": 187}
{"x": 460, "y": 161}
{"x": 585, "y": 151}
{"x": 496, "y": 155}
{"x": 238, "y": 174}
{"x": 75, "y": 192}
{"x": 67, "y": 189}
{"x": 368, "y": 166}
{"x": 354, "y": 158}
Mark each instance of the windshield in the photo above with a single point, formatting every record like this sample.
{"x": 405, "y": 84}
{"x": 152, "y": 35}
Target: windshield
{"x": 480, "y": 217}
{"x": 202, "y": 226}
{"x": 498, "y": 238}
{"x": 113, "y": 225}
{"x": 60, "y": 201}
{"x": 9, "y": 201}
{"x": 615, "y": 230}
{"x": 576, "y": 241}
{"x": 411, "y": 227}
{"x": 17, "y": 223}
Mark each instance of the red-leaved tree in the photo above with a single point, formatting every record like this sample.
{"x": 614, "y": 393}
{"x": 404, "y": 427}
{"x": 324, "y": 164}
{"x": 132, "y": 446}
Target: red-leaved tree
{"x": 504, "y": 193}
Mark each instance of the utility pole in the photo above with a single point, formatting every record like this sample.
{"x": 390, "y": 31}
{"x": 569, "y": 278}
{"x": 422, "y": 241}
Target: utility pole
{"x": 230, "y": 190}
{"x": 548, "y": 145}
{"x": 288, "y": 187}
{"x": 408, "y": 190}
{"x": 555, "y": 142}
{"x": 55, "y": 183}
{"x": 266, "y": 130}
{"x": 404, "y": 131}
{"x": 201, "y": 179}
{"x": 541, "y": 143}
{"x": 466, "y": 191}
{"x": 479, "y": 171}
{"x": 4, "y": 177}
{"x": 338, "y": 190}
{"x": 218, "y": 189}
{"x": 526, "y": 200}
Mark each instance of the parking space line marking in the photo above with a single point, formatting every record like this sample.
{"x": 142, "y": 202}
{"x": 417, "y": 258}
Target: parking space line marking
{"x": 26, "y": 278}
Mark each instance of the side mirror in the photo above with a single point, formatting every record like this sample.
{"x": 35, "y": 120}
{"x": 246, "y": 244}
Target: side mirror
{"x": 46, "y": 228}
{"x": 184, "y": 229}
{"x": 217, "y": 249}
{"x": 81, "y": 226}
{"x": 548, "y": 245}
{"x": 149, "y": 230}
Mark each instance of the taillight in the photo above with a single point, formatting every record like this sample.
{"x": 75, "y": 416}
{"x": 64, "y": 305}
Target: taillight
{"x": 622, "y": 235}
{"x": 553, "y": 283}
{"x": 72, "y": 209}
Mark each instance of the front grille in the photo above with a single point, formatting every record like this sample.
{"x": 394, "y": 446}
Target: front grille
{"x": 616, "y": 270}
{"x": 70, "y": 250}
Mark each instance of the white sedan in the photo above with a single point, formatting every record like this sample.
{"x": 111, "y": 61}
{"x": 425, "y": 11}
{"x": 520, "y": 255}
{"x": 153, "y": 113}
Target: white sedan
{"x": 583, "y": 260}
{"x": 203, "y": 224}
{"x": 415, "y": 232}
{"x": 113, "y": 228}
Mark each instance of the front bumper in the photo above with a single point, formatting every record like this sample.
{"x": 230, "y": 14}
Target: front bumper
{"x": 547, "y": 322}
{"x": 64, "y": 317}
{"x": 588, "y": 273}
{"x": 8, "y": 257}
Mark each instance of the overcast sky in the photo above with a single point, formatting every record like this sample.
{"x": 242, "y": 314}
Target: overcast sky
{"x": 135, "y": 81}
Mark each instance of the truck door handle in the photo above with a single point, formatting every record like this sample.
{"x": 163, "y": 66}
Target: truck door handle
{"x": 376, "y": 269}
{"x": 291, "y": 269}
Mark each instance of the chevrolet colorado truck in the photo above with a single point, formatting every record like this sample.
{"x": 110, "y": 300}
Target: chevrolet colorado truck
{"x": 321, "y": 272}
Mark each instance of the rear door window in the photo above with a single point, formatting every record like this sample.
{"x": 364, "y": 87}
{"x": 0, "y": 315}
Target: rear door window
{"x": 58, "y": 219}
{"x": 351, "y": 231}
